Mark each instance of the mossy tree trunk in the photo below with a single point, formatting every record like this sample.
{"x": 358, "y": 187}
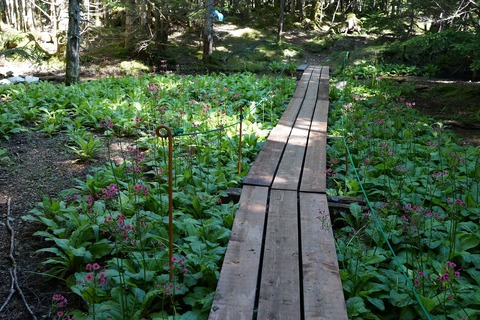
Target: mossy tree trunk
{"x": 72, "y": 74}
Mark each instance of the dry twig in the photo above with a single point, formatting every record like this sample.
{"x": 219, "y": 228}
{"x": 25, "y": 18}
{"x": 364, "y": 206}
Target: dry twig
{"x": 14, "y": 286}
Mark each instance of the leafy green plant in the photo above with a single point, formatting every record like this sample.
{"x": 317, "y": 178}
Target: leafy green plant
{"x": 408, "y": 250}
{"x": 431, "y": 70}
{"x": 4, "y": 157}
{"x": 283, "y": 67}
{"x": 109, "y": 235}
{"x": 85, "y": 145}
{"x": 452, "y": 51}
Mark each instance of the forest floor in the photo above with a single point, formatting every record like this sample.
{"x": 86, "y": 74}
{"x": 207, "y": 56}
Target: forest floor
{"x": 43, "y": 166}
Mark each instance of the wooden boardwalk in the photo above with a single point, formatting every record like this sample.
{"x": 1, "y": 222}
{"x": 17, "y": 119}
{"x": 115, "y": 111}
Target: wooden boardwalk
{"x": 281, "y": 261}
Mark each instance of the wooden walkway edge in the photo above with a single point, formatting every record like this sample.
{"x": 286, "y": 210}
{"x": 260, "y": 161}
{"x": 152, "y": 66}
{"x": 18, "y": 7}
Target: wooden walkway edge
{"x": 281, "y": 261}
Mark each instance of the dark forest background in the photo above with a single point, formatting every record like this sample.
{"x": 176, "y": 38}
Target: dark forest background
{"x": 440, "y": 36}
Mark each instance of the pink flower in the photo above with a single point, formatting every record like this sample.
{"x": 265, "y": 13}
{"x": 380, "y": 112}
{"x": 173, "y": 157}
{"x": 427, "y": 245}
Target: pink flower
{"x": 88, "y": 267}
{"x": 89, "y": 277}
{"x": 96, "y": 266}
{"x": 103, "y": 279}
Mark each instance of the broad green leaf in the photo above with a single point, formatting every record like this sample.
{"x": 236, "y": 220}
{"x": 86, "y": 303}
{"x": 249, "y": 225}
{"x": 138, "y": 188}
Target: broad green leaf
{"x": 466, "y": 241}
{"x": 356, "y": 306}
{"x": 400, "y": 299}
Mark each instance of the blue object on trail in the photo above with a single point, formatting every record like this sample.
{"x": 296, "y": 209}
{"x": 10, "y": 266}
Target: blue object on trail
{"x": 217, "y": 15}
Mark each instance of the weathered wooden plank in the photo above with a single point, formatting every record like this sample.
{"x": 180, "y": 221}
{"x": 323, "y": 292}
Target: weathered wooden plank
{"x": 236, "y": 289}
{"x": 263, "y": 169}
{"x": 290, "y": 167}
{"x": 314, "y": 177}
{"x": 303, "y": 83}
{"x": 306, "y": 90}
{"x": 280, "y": 283}
{"x": 323, "y": 295}
{"x": 320, "y": 117}
{"x": 300, "y": 69}
{"x": 291, "y": 112}
{"x": 324, "y": 90}
{"x": 310, "y": 97}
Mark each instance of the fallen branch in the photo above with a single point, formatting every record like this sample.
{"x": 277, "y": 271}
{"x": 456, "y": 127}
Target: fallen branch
{"x": 13, "y": 269}
{"x": 11, "y": 292}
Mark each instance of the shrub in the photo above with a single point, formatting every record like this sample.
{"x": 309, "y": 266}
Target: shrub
{"x": 453, "y": 52}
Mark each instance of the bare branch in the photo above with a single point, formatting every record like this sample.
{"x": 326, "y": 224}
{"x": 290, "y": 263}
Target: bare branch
{"x": 13, "y": 268}
{"x": 11, "y": 292}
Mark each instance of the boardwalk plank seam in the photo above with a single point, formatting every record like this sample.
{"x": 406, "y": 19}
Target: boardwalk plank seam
{"x": 281, "y": 261}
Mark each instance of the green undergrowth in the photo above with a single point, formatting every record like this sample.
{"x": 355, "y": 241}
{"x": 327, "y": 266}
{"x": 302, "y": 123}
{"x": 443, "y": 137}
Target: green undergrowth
{"x": 107, "y": 237}
{"x": 410, "y": 250}
{"x": 464, "y": 96}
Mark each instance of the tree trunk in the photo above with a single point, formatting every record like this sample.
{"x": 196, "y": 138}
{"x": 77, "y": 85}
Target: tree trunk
{"x": 208, "y": 32}
{"x": 129, "y": 41}
{"x": 73, "y": 42}
{"x": 301, "y": 9}
{"x": 142, "y": 9}
{"x": 161, "y": 26}
{"x": 13, "y": 13}
{"x": 335, "y": 12}
{"x": 29, "y": 16}
{"x": 280, "y": 20}
{"x": 316, "y": 15}
{"x": 20, "y": 24}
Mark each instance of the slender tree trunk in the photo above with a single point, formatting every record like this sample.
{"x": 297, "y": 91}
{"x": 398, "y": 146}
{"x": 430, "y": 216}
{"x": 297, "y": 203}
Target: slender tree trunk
{"x": 335, "y": 12}
{"x": 53, "y": 18}
{"x": 412, "y": 20}
{"x": 29, "y": 16}
{"x": 73, "y": 42}
{"x": 280, "y": 20}
{"x": 208, "y": 32}
{"x": 301, "y": 8}
{"x": 20, "y": 17}
{"x": 11, "y": 7}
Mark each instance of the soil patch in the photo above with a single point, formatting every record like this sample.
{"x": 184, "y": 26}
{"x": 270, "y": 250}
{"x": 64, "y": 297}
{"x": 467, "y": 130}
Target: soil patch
{"x": 35, "y": 166}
